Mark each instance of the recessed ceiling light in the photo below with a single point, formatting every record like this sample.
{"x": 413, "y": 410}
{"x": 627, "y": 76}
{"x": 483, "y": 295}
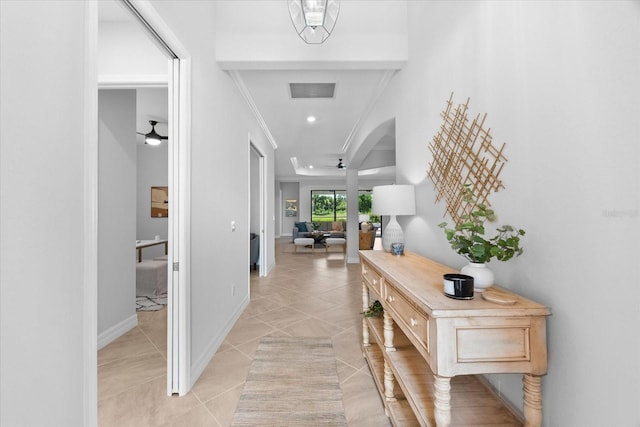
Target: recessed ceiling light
{"x": 310, "y": 166}
{"x": 311, "y": 119}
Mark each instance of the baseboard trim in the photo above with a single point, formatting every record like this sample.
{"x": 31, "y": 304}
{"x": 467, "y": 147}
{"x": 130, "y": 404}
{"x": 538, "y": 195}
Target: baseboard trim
{"x": 510, "y": 406}
{"x": 199, "y": 366}
{"x": 117, "y": 330}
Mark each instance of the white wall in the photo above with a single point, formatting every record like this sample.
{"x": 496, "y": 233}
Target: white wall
{"x": 116, "y": 212}
{"x": 126, "y": 55}
{"x": 220, "y": 123}
{"x": 379, "y": 158}
{"x": 42, "y": 288}
{"x": 559, "y": 81}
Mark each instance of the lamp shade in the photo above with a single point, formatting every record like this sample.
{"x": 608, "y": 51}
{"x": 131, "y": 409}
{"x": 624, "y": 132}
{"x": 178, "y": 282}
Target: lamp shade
{"x": 394, "y": 200}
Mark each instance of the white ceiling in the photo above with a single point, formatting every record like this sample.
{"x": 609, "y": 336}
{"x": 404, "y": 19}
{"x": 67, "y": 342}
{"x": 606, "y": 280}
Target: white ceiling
{"x": 318, "y": 145}
{"x": 315, "y": 147}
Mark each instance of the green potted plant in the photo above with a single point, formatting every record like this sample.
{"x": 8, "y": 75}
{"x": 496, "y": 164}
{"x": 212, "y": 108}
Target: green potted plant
{"x": 374, "y": 310}
{"x": 468, "y": 239}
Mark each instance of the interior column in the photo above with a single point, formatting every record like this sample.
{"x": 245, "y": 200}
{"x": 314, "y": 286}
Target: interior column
{"x": 352, "y": 216}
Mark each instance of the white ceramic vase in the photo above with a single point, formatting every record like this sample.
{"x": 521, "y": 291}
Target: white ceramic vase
{"x": 482, "y": 276}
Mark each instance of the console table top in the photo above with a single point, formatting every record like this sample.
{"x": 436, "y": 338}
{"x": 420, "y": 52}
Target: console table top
{"x": 422, "y": 279}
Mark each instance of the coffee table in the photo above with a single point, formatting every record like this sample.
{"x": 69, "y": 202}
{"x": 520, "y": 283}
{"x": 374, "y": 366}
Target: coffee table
{"x": 318, "y": 236}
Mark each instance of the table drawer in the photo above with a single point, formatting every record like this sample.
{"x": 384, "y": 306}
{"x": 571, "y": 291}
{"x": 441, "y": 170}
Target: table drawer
{"x": 372, "y": 277}
{"x": 415, "y": 322}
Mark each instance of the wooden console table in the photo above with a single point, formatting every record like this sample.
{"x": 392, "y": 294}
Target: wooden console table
{"x": 431, "y": 345}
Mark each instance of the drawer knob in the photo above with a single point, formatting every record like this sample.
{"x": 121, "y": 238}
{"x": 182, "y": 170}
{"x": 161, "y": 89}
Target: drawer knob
{"x": 390, "y": 298}
{"x": 413, "y": 322}
{"x": 375, "y": 281}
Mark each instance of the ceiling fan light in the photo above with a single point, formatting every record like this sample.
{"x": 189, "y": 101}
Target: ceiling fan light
{"x": 151, "y": 140}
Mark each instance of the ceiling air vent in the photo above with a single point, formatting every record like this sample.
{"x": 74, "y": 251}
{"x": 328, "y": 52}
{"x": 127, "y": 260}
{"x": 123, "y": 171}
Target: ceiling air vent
{"x": 312, "y": 90}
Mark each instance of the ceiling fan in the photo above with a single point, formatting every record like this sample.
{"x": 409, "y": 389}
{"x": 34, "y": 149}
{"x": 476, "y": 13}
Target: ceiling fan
{"x": 340, "y": 165}
{"x": 153, "y": 138}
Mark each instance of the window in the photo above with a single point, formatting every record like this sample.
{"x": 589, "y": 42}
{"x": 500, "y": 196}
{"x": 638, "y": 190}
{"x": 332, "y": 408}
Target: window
{"x": 331, "y": 205}
{"x": 328, "y": 205}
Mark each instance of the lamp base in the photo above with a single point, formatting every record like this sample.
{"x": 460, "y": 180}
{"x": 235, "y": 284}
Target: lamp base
{"x": 392, "y": 233}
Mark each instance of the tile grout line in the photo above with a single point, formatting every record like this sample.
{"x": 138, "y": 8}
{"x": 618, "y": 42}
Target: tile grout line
{"x": 206, "y": 408}
{"x": 272, "y": 291}
{"x": 152, "y": 343}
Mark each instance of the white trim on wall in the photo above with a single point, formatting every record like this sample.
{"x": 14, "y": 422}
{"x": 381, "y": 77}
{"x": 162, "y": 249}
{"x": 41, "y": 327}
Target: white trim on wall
{"x": 90, "y": 207}
{"x": 180, "y": 158}
{"x": 203, "y": 361}
{"x": 262, "y": 203}
{"x": 373, "y": 100}
{"x": 111, "y": 81}
{"x": 179, "y": 318}
{"x": 117, "y": 331}
{"x": 239, "y": 82}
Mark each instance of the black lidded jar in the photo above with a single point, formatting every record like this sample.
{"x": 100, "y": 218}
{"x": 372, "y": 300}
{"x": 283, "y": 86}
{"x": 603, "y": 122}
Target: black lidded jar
{"x": 458, "y": 286}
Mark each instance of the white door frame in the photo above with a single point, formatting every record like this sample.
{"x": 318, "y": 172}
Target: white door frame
{"x": 262, "y": 171}
{"x": 90, "y": 226}
{"x": 178, "y": 319}
{"x": 178, "y": 316}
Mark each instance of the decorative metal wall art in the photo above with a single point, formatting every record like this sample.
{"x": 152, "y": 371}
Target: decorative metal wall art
{"x": 463, "y": 154}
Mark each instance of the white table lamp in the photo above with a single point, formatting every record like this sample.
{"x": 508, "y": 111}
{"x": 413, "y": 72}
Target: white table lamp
{"x": 393, "y": 200}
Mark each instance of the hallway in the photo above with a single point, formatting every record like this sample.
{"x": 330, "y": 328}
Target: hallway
{"x": 306, "y": 295}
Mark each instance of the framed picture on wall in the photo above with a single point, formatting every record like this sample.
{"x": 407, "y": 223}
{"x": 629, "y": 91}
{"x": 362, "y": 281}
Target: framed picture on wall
{"x": 159, "y": 202}
{"x": 291, "y": 207}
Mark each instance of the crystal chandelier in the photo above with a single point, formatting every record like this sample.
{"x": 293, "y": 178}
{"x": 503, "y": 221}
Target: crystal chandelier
{"x": 314, "y": 19}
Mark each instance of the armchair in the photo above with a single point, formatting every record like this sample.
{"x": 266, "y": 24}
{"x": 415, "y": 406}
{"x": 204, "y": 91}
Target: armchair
{"x": 254, "y": 250}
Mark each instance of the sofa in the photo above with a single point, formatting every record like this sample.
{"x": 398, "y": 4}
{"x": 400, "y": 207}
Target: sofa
{"x": 336, "y": 229}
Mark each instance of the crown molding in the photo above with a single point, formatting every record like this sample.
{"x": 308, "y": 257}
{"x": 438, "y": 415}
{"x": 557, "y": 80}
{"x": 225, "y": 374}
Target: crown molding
{"x": 382, "y": 84}
{"x": 237, "y": 79}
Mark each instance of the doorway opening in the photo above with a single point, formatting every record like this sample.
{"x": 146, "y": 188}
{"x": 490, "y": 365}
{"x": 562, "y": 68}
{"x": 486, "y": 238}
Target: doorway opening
{"x": 176, "y": 80}
{"x": 257, "y": 202}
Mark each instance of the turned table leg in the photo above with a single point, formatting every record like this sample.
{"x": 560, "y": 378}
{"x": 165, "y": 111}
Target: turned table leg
{"x": 388, "y": 331}
{"x": 442, "y": 401}
{"x": 365, "y": 307}
{"x": 388, "y": 383}
{"x": 532, "y": 386}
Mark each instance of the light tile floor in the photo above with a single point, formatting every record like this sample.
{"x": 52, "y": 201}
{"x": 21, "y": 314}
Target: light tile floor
{"x": 305, "y": 295}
